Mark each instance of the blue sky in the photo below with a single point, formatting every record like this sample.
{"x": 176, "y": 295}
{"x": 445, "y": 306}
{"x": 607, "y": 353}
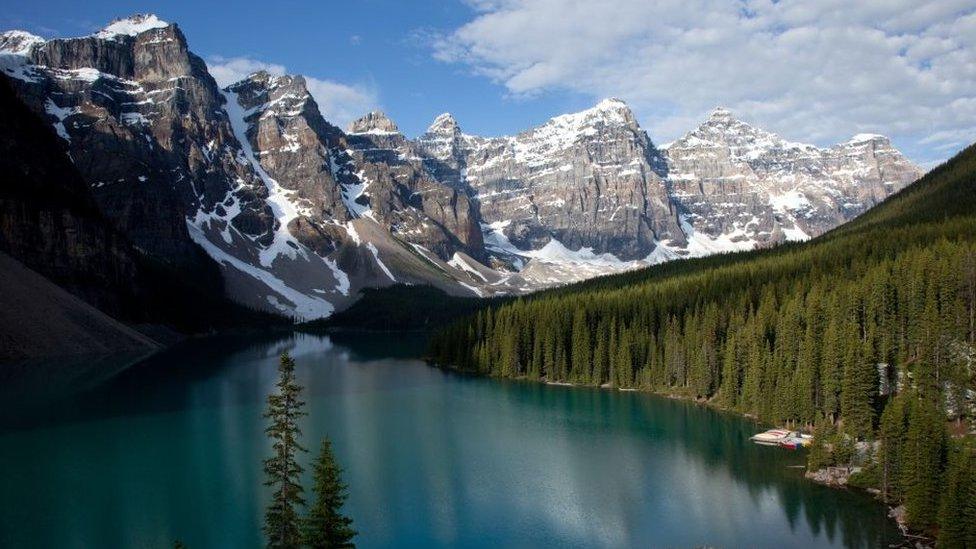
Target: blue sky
{"x": 816, "y": 71}
{"x": 382, "y": 47}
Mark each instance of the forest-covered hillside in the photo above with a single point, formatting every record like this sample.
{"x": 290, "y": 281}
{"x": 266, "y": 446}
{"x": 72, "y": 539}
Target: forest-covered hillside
{"x": 866, "y": 332}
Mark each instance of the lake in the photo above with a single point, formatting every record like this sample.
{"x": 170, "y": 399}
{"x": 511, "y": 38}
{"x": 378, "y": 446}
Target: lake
{"x": 171, "y": 448}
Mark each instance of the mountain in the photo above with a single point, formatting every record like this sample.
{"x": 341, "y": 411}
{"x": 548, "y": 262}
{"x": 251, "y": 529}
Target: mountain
{"x": 298, "y": 217}
{"x": 73, "y": 283}
{"x": 866, "y": 332}
{"x": 591, "y": 179}
{"x": 739, "y": 187}
{"x": 348, "y": 202}
{"x": 301, "y": 216}
{"x": 594, "y": 180}
{"x": 888, "y": 256}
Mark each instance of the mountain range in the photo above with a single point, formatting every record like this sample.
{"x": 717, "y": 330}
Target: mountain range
{"x": 301, "y": 215}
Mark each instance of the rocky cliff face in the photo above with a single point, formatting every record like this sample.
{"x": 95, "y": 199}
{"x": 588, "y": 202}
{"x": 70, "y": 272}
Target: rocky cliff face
{"x": 147, "y": 126}
{"x": 331, "y": 188}
{"x": 408, "y": 198}
{"x": 142, "y": 120}
{"x": 589, "y": 193}
{"x": 738, "y": 187}
{"x": 48, "y": 219}
{"x": 301, "y": 215}
{"x": 592, "y": 179}
{"x": 52, "y": 225}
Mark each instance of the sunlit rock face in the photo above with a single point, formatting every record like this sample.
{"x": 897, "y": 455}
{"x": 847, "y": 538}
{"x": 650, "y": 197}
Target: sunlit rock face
{"x": 407, "y": 197}
{"x": 591, "y": 179}
{"x": 739, "y": 187}
{"x": 595, "y": 183}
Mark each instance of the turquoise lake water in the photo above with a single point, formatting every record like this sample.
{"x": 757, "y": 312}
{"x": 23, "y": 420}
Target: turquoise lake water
{"x": 171, "y": 448}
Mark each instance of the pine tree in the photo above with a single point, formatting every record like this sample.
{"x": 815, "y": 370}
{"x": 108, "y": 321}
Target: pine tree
{"x": 857, "y": 392}
{"x": 820, "y": 455}
{"x": 922, "y": 463}
{"x": 957, "y": 525}
{"x": 600, "y": 355}
{"x": 831, "y": 361}
{"x": 624, "y": 367}
{"x": 731, "y": 373}
{"x": 326, "y": 526}
{"x": 582, "y": 349}
{"x": 510, "y": 354}
{"x": 892, "y": 434}
{"x": 282, "y": 472}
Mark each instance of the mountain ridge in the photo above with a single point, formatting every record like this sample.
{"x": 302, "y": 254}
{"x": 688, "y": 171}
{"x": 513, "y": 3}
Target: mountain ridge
{"x": 280, "y": 198}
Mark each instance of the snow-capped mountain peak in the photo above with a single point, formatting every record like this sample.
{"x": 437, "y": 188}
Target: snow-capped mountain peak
{"x": 444, "y": 124}
{"x": 132, "y": 26}
{"x": 744, "y": 142}
{"x": 375, "y": 122}
{"x": 611, "y": 104}
{"x": 722, "y": 120}
{"x": 18, "y": 42}
{"x": 258, "y": 76}
{"x": 609, "y": 111}
{"x": 561, "y": 132}
{"x": 866, "y": 137}
{"x": 721, "y": 114}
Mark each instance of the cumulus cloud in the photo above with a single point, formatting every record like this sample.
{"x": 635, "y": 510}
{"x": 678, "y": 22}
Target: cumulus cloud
{"x": 339, "y": 103}
{"x": 227, "y": 70}
{"x": 813, "y": 70}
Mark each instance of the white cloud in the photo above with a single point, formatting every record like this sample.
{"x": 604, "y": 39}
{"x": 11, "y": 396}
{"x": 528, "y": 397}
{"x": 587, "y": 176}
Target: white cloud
{"x": 817, "y": 71}
{"x": 339, "y": 103}
{"x": 227, "y": 70}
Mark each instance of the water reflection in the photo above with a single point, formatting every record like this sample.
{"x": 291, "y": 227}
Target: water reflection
{"x": 172, "y": 448}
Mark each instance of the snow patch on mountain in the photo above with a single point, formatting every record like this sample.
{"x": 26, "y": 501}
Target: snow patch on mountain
{"x": 353, "y": 195}
{"x": 15, "y": 46}
{"x": 864, "y": 137}
{"x": 60, "y": 114}
{"x": 791, "y": 200}
{"x": 18, "y": 42}
{"x": 700, "y": 244}
{"x": 131, "y": 26}
{"x": 279, "y": 199}
{"x": 461, "y": 263}
{"x": 376, "y": 255}
{"x": 302, "y": 305}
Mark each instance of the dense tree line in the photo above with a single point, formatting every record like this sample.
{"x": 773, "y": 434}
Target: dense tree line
{"x": 867, "y": 333}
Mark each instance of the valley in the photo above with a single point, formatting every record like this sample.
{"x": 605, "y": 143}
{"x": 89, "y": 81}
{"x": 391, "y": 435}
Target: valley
{"x": 274, "y": 298}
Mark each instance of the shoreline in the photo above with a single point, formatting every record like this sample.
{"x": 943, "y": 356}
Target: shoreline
{"x": 837, "y": 478}
{"x": 912, "y": 539}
